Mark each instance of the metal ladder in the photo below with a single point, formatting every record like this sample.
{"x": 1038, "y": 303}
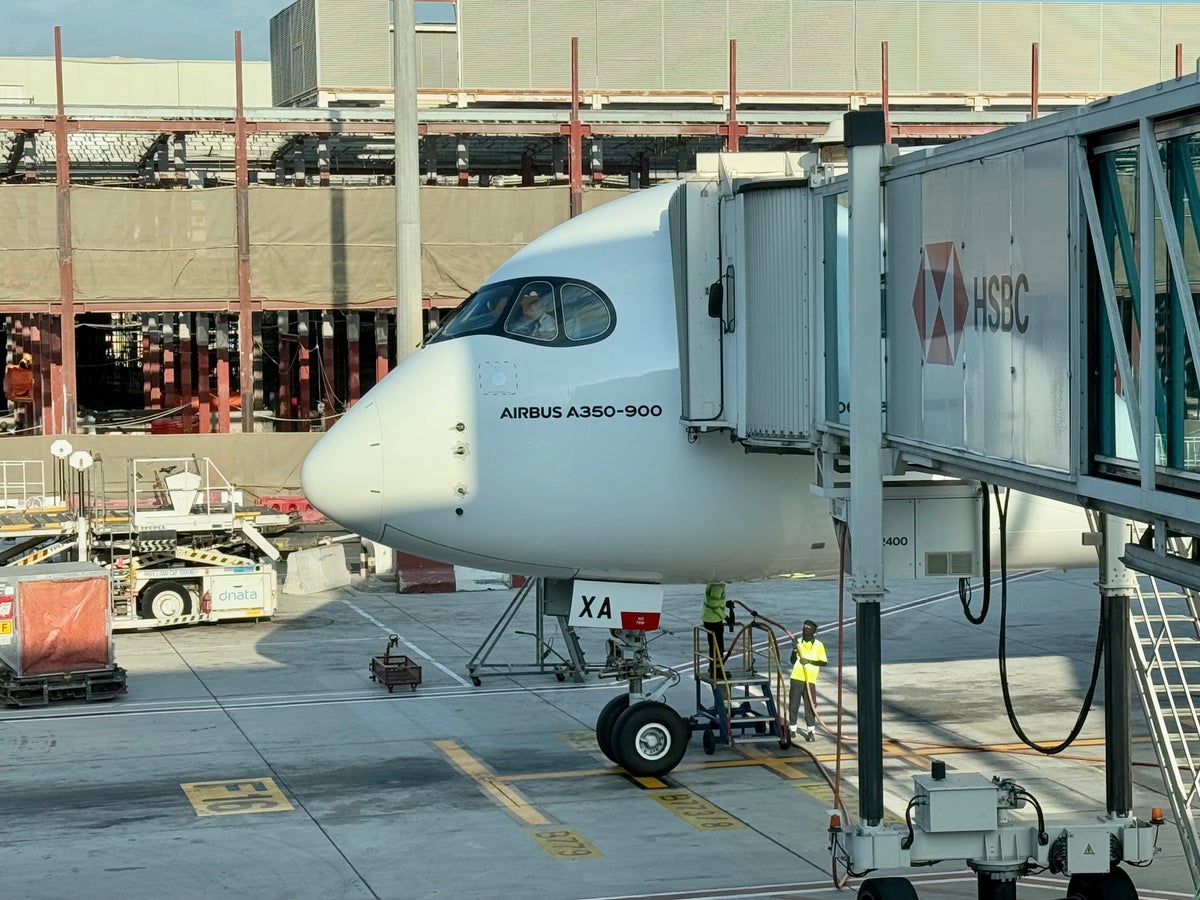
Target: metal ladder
{"x": 1164, "y": 625}
{"x": 744, "y": 688}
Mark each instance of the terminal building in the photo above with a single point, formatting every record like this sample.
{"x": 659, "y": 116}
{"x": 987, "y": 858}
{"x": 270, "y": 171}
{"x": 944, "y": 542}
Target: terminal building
{"x": 209, "y": 247}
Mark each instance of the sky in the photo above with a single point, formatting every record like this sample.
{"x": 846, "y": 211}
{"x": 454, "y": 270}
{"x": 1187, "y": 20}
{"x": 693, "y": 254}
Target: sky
{"x": 159, "y": 29}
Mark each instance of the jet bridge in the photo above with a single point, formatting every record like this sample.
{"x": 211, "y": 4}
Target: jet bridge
{"x": 999, "y": 301}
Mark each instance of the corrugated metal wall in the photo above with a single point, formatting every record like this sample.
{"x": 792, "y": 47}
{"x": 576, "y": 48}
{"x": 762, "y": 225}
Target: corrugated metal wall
{"x": 775, "y": 275}
{"x": 822, "y": 45}
{"x": 355, "y": 49}
{"x": 293, "y": 51}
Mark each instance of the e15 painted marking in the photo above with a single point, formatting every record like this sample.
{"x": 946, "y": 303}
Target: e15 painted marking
{"x": 697, "y": 811}
{"x": 231, "y": 798}
{"x": 565, "y": 843}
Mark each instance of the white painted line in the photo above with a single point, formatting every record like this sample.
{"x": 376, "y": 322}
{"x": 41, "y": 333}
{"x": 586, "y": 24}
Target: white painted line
{"x": 413, "y": 647}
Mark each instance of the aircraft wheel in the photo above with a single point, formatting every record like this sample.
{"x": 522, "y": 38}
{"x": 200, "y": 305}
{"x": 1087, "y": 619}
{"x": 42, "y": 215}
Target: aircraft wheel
{"x": 605, "y": 722}
{"x": 709, "y": 742}
{"x": 165, "y": 600}
{"x": 887, "y": 889}
{"x": 649, "y": 739}
{"x": 476, "y": 680}
{"x": 1114, "y": 885}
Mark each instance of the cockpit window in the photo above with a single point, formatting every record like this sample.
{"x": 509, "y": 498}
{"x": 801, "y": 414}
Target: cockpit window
{"x": 533, "y": 315}
{"x": 585, "y": 315}
{"x": 482, "y": 312}
{"x": 546, "y": 311}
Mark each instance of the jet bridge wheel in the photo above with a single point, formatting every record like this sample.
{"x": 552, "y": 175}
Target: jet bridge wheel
{"x": 605, "y": 722}
{"x": 165, "y": 600}
{"x": 649, "y": 739}
{"x": 1114, "y": 885}
{"x": 887, "y": 889}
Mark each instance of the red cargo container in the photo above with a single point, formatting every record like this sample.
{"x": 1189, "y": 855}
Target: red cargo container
{"x": 55, "y": 618}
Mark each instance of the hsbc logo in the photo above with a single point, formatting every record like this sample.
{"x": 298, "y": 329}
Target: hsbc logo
{"x": 941, "y": 306}
{"x": 940, "y": 303}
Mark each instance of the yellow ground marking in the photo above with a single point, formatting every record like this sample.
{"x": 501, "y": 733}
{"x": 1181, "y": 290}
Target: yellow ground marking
{"x": 782, "y": 765}
{"x": 648, "y": 782}
{"x": 818, "y": 790}
{"x": 231, "y": 798}
{"x": 697, "y": 811}
{"x": 565, "y": 843}
{"x": 584, "y": 740}
{"x": 491, "y": 784}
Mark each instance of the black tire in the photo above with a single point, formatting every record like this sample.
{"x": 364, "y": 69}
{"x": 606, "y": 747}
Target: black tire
{"x": 1114, "y": 885}
{"x": 476, "y": 680}
{"x": 887, "y": 889}
{"x": 165, "y": 600}
{"x": 709, "y": 742}
{"x": 605, "y": 722}
{"x": 649, "y": 739}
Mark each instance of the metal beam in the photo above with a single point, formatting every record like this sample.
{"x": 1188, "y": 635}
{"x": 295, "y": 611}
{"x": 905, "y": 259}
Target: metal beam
{"x": 242, "y": 200}
{"x": 63, "y": 416}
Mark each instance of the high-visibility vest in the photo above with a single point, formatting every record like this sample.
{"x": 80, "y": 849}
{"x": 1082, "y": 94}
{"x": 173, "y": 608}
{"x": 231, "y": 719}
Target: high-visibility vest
{"x": 714, "y": 603}
{"x": 814, "y": 650}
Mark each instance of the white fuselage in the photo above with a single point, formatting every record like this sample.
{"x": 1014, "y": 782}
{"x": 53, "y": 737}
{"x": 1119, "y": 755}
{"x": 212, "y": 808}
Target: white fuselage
{"x": 562, "y": 460}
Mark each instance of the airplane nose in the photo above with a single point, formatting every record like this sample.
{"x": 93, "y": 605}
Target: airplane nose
{"x": 342, "y": 475}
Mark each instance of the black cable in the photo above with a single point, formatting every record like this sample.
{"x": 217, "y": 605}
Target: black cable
{"x": 1002, "y": 512}
{"x": 1043, "y": 838}
{"x": 964, "y": 594}
{"x": 907, "y": 842}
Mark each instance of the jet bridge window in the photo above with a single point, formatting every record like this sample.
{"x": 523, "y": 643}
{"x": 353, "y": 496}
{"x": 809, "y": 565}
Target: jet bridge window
{"x": 545, "y": 311}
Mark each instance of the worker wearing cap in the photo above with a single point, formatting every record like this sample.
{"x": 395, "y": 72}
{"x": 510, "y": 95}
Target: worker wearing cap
{"x": 808, "y": 658}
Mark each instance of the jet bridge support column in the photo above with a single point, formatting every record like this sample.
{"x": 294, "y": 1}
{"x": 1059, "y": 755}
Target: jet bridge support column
{"x": 864, "y": 135}
{"x": 1117, "y": 586}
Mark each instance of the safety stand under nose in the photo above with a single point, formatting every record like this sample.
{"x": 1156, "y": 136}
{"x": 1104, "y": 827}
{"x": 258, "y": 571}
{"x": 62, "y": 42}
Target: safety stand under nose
{"x": 571, "y": 665}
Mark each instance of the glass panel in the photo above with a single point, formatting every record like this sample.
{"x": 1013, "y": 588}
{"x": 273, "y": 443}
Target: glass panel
{"x": 1182, "y": 391}
{"x": 585, "y": 315}
{"x": 836, "y": 268}
{"x": 480, "y": 313}
{"x": 533, "y": 315}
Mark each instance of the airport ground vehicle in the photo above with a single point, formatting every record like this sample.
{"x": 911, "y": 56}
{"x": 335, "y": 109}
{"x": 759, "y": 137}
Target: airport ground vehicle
{"x": 181, "y": 545}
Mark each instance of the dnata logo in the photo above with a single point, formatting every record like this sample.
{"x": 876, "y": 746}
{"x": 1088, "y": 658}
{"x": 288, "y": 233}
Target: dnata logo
{"x": 940, "y": 303}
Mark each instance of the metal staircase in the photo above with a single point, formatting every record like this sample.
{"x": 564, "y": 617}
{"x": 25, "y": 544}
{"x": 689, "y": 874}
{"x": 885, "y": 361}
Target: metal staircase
{"x": 1164, "y": 624}
{"x": 744, "y": 688}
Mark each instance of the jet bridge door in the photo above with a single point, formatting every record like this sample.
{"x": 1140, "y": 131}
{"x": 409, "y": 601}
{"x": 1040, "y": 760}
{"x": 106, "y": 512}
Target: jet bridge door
{"x": 772, "y": 292}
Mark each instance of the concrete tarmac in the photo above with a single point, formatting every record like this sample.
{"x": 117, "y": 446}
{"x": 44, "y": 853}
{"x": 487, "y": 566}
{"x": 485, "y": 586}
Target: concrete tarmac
{"x": 261, "y": 760}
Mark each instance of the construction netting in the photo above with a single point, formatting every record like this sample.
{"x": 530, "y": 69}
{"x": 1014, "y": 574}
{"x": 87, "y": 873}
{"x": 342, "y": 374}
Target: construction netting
{"x": 326, "y": 247}
{"x": 28, "y": 243}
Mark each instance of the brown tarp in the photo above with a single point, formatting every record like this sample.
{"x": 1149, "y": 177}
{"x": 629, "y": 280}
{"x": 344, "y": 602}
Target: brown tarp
{"x": 324, "y": 247}
{"x": 154, "y": 245}
{"x": 28, "y": 243}
{"x": 64, "y": 625}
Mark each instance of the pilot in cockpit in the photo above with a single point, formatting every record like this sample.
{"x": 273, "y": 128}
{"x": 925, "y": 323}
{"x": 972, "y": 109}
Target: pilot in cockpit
{"x": 534, "y": 318}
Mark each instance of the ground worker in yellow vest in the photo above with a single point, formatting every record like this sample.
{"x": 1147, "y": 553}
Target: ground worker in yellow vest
{"x": 808, "y": 658}
{"x": 713, "y": 618}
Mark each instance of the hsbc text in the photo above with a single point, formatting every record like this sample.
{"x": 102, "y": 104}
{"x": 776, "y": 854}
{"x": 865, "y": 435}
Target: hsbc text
{"x": 998, "y": 302}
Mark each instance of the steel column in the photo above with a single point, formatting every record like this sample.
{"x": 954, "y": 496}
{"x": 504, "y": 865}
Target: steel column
{"x": 408, "y": 204}
{"x": 1117, "y": 585}
{"x": 245, "y": 311}
{"x": 864, "y": 132}
{"x": 353, "y": 335}
{"x": 1034, "y": 78}
{"x": 887, "y": 112}
{"x": 732, "y": 130}
{"x": 381, "y": 345}
{"x": 62, "y": 419}
{"x": 203, "y": 375}
{"x": 575, "y": 131}
{"x": 223, "y": 374}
